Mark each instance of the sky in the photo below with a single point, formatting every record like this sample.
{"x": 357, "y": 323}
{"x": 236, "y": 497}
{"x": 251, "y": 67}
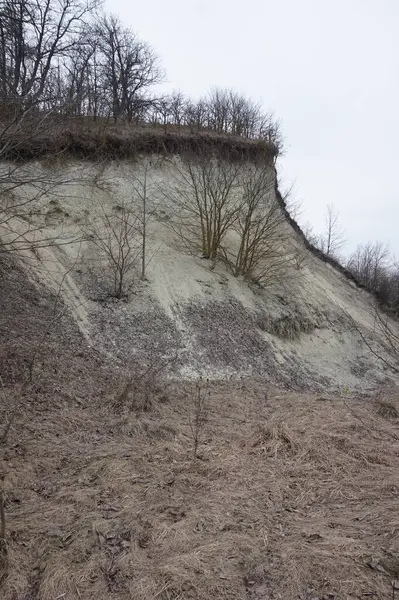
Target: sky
{"x": 329, "y": 71}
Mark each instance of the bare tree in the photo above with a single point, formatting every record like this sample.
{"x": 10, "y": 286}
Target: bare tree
{"x": 223, "y": 111}
{"x": 369, "y": 263}
{"x": 196, "y": 114}
{"x": 215, "y": 199}
{"x": 129, "y": 67}
{"x": 219, "y": 110}
{"x": 115, "y": 235}
{"x": 177, "y": 104}
{"x": 34, "y": 34}
{"x": 144, "y": 207}
{"x": 204, "y": 195}
{"x": 83, "y": 91}
{"x": 388, "y": 331}
{"x": 57, "y": 59}
{"x": 333, "y": 238}
{"x": 263, "y": 254}
{"x": 142, "y": 192}
{"x": 373, "y": 266}
{"x": 227, "y": 111}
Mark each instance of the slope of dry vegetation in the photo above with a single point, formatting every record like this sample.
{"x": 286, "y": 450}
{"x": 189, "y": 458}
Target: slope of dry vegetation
{"x": 291, "y": 496}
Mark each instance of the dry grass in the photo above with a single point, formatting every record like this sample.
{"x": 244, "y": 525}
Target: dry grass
{"x": 289, "y": 327}
{"x": 292, "y": 498}
{"x": 82, "y": 138}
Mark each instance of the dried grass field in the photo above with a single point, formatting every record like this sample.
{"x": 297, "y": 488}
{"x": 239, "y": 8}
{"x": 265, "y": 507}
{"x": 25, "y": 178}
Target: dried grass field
{"x": 291, "y": 496}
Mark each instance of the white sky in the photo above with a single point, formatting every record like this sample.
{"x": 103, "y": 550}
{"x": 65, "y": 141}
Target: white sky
{"x": 328, "y": 70}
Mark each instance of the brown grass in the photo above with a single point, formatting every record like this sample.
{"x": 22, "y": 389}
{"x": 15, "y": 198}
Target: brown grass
{"x": 288, "y": 327}
{"x": 82, "y": 138}
{"x": 292, "y": 498}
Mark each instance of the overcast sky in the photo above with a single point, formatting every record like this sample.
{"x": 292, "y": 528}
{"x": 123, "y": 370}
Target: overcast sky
{"x": 328, "y": 70}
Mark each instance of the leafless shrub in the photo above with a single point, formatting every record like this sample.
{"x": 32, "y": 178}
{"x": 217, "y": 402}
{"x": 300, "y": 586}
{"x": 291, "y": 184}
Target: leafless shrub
{"x": 143, "y": 385}
{"x": 387, "y": 328}
{"x": 198, "y": 413}
{"x": 263, "y": 254}
{"x": 116, "y": 236}
{"x": 204, "y": 196}
{"x": 223, "y": 111}
{"x": 137, "y": 393}
{"x": 387, "y": 409}
{"x": 373, "y": 267}
{"x": 229, "y": 211}
{"x": 274, "y": 439}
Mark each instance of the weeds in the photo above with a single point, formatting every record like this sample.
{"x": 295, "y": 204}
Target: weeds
{"x": 142, "y": 386}
{"x": 288, "y": 327}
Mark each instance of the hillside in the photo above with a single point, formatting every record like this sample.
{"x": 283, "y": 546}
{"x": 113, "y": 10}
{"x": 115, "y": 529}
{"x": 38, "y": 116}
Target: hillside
{"x": 196, "y": 402}
{"x": 293, "y": 490}
{"x": 292, "y": 495}
{"x": 303, "y": 328}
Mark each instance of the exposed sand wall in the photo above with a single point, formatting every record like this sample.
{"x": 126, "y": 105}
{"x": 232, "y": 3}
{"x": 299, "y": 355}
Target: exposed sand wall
{"x": 296, "y": 332}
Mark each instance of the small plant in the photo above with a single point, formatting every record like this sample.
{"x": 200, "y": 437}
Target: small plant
{"x": 142, "y": 386}
{"x": 198, "y": 414}
{"x": 387, "y": 410}
{"x": 274, "y": 439}
{"x": 288, "y": 326}
{"x": 116, "y": 237}
{"x": 137, "y": 392}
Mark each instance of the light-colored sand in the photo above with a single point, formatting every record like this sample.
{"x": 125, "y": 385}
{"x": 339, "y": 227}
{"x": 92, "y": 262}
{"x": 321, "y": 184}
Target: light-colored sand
{"x": 220, "y": 325}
